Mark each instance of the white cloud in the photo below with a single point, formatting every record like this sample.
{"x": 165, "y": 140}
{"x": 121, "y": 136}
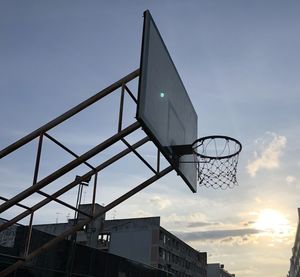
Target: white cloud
{"x": 160, "y": 203}
{"x": 267, "y": 157}
{"x": 142, "y": 213}
{"x": 290, "y": 179}
{"x": 186, "y": 218}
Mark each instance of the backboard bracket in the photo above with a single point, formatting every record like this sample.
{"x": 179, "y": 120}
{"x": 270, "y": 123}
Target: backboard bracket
{"x": 184, "y": 149}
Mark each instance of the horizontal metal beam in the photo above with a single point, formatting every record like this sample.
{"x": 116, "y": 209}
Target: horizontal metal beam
{"x": 68, "y": 114}
{"x": 68, "y": 167}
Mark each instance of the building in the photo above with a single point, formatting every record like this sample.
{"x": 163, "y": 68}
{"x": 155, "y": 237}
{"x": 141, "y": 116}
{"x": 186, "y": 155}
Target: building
{"x": 217, "y": 270}
{"x": 144, "y": 240}
{"x": 66, "y": 258}
{"x": 139, "y": 239}
{"x": 294, "y": 270}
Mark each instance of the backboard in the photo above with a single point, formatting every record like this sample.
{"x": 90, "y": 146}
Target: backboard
{"x": 164, "y": 107}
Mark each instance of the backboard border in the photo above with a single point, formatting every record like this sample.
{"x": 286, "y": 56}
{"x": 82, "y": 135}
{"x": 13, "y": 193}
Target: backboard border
{"x": 147, "y": 19}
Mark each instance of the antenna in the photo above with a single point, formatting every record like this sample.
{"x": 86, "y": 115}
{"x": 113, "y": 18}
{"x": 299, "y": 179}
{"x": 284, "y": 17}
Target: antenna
{"x": 57, "y": 214}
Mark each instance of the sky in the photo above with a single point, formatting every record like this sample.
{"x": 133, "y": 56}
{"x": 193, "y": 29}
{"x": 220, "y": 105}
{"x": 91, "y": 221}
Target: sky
{"x": 239, "y": 62}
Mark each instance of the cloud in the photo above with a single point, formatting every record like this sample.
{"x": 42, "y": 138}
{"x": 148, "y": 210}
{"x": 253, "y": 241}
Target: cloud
{"x": 186, "y": 220}
{"x": 249, "y": 223}
{"x": 216, "y": 234}
{"x": 160, "y": 203}
{"x": 290, "y": 179}
{"x": 267, "y": 157}
{"x": 142, "y": 213}
{"x": 202, "y": 224}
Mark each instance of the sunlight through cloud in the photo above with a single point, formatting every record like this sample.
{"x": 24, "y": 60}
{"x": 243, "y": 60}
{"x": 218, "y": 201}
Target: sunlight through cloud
{"x": 272, "y": 222}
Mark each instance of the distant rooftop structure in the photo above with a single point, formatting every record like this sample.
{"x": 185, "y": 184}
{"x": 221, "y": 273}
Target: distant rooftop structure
{"x": 217, "y": 270}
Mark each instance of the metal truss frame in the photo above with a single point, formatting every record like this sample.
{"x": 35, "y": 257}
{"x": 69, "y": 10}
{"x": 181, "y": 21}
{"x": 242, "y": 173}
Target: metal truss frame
{"x": 37, "y": 185}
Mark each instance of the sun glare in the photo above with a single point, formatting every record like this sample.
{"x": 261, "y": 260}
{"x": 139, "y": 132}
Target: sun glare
{"x": 273, "y": 222}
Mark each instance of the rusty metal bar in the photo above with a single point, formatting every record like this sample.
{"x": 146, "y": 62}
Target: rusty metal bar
{"x": 68, "y": 114}
{"x": 38, "y": 160}
{"x": 19, "y": 205}
{"x": 136, "y": 189}
{"x": 78, "y": 201}
{"x": 60, "y": 172}
{"x": 158, "y": 160}
{"x": 66, "y": 149}
{"x": 130, "y": 94}
{"x": 28, "y": 238}
{"x": 121, "y": 109}
{"x": 94, "y": 194}
{"x": 35, "y": 178}
{"x": 76, "y": 228}
{"x": 62, "y": 203}
{"x": 139, "y": 156}
{"x": 74, "y": 183}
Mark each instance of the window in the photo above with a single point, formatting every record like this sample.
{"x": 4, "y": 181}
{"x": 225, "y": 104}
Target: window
{"x": 160, "y": 252}
{"x": 104, "y": 237}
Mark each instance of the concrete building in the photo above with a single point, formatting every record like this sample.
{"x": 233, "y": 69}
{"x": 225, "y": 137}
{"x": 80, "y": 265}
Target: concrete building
{"x": 65, "y": 258}
{"x": 139, "y": 239}
{"x": 294, "y": 270}
{"x": 217, "y": 270}
{"x": 144, "y": 240}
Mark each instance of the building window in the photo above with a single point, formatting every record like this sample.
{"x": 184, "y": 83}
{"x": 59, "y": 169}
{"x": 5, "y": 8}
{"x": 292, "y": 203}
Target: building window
{"x": 104, "y": 237}
{"x": 103, "y": 241}
{"x": 160, "y": 252}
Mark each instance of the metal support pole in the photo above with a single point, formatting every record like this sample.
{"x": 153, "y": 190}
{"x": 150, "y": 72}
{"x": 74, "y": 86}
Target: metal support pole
{"x": 35, "y": 178}
{"x": 130, "y": 94}
{"x": 28, "y": 238}
{"x": 78, "y": 200}
{"x": 94, "y": 194}
{"x": 38, "y": 160}
{"x": 158, "y": 160}
{"x": 121, "y": 109}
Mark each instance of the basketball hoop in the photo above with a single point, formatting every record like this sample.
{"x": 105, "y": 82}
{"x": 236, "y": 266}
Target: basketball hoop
{"x": 216, "y": 158}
